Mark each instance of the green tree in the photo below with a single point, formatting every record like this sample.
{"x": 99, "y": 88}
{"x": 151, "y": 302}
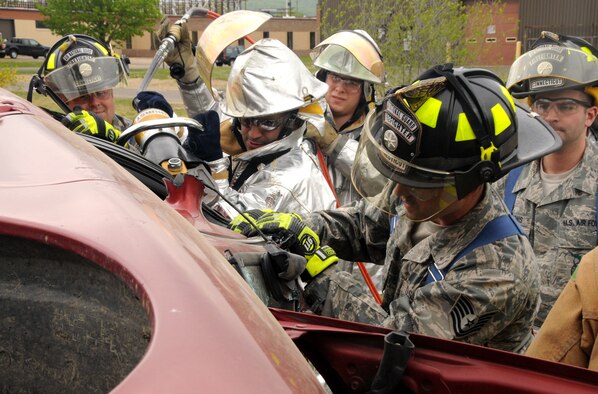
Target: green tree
{"x": 106, "y": 20}
{"x": 415, "y": 34}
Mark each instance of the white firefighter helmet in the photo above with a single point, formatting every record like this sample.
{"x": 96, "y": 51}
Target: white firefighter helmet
{"x": 269, "y": 78}
{"x": 351, "y": 53}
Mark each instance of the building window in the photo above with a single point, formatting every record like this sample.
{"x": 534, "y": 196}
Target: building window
{"x": 290, "y": 39}
{"x": 266, "y": 34}
{"x": 312, "y": 39}
{"x": 511, "y": 39}
{"x": 472, "y": 40}
{"x": 129, "y": 42}
{"x": 490, "y": 39}
{"x": 40, "y": 25}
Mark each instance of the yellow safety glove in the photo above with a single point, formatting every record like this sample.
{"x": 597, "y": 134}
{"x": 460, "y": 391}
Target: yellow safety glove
{"x": 245, "y": 224}
{"x": 289, "y": 232}
{"x": 183, "y": 52}
{"x": 317, "y": 262}
{"x": 86, "y": 122}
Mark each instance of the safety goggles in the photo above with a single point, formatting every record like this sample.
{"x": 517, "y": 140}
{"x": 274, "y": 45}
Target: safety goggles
{"x": 351, "y": 85}
{"x": 86, "y": 98}
{"x": 563, "y": 106}
{"x": 264, "y": 124}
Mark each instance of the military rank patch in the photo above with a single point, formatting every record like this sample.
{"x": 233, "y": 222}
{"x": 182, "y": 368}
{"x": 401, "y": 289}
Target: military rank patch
{"x": 464, "y": 318}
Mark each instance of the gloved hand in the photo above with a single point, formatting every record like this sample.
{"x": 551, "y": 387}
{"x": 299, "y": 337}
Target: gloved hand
{"x": 86, "y": 122}
{"x": 148, "y": 99}
{"x": 327, "y": 141}
{"x": 289, "y": 231}
{"x": 242, "y": 225}
{"x": 317, "y": 262}
{"x": 183, "y": 52}
{"x": 205, "y": 144}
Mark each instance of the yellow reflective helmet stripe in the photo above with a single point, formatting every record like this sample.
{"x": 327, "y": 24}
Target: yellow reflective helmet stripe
{"x": 51, "y": 64}
{"x": 501, "y": 119}
{"x": 508, "y": 96}
{"x": 101, "y": 48}
{"x": 429, "y": 112}
{"x": 464, "y": 130}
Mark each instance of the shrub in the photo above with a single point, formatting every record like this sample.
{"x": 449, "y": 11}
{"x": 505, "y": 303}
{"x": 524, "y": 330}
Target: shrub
{"x": 8, "y": 76}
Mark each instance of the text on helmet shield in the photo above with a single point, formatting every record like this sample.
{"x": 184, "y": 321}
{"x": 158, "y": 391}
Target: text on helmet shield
{"x": 402, "y": 123}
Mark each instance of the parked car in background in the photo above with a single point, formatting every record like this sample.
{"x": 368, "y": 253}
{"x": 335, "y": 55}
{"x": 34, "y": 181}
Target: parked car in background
{"x": 229, "y": 55}
{"x": 25, "y": 47}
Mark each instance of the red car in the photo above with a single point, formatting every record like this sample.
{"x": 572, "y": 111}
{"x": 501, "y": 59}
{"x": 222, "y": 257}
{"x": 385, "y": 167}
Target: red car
{"x": 112, "y": 281}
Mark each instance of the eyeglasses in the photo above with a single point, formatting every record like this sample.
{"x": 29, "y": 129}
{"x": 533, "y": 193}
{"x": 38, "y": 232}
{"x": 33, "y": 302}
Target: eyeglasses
{"x": 264, "y": 124}
{"x": 352, "y": 85}
{"x": 86, "y": 98}
{"x": 565, "y": 106}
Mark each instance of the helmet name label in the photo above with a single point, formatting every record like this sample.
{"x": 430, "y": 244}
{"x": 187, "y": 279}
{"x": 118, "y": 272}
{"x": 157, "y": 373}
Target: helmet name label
{"x": 402, "y": 123}
{"x": 546, "y": 83}
{"x": 77, "y": 52}
{"x": 547, "y": 56}
{"x": 393, "y": 162}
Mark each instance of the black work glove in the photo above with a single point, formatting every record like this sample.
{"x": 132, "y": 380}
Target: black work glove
{"x": 205, "y": 144}
{"x": 149, "y": 99}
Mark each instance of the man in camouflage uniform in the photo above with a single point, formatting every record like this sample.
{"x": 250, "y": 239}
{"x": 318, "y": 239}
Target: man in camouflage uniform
{"x": 453, "y": 273}
{"x": 554, "y": 198}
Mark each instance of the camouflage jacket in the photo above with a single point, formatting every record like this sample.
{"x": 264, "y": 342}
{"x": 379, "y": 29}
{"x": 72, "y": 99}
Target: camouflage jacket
{"x": 489, "y": 296}
{"x": 561, "y": 226}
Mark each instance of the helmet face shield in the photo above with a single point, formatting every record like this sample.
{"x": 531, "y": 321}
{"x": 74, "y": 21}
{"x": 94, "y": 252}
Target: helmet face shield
{"x": 351, "y": 54}
{"x": 376, "y": 171}
{"x": 442, "y": 137}
{"x": 85, "y": 77}
{"x": 551, "y": 67}
{"x": 219, "y": 34}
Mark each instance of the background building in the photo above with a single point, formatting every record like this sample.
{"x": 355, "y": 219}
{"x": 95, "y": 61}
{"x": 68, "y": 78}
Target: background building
{"x": 20, "y": 18}
{"x": 520, "y": 21}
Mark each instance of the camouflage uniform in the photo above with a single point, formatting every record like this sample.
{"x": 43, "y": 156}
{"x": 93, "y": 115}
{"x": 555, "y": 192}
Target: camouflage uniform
{"x": 489, "y": 297}
{"x": 561, "y": 226}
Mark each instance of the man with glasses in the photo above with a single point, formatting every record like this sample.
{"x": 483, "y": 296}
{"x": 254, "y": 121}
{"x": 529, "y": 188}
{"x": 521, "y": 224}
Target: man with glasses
{"x": 554, "y": 198}
{"x": 270, "y": 98}
{"x": 458, "y": 266}
{"x": 81, "y": 71}
{"x": 351, "y": 64}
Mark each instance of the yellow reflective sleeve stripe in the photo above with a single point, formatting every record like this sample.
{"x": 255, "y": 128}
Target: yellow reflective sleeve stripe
{"x": 464, "y": 130}
{"x": 501, "y": 119}
{"x": 429, "y": 112}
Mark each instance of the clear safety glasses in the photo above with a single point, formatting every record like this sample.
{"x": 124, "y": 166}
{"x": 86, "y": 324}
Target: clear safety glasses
{"x": 350, "y": 85}
{"x": 564, "y": 106}
{"x": 86, "y": 98}
{"x": 264, "y": 124}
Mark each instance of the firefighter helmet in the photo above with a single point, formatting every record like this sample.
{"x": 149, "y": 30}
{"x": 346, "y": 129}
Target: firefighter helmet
{"x": 453, "y": 129}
